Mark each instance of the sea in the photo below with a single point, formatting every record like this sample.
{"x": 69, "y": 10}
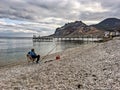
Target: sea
{"x": 14, "y": 50}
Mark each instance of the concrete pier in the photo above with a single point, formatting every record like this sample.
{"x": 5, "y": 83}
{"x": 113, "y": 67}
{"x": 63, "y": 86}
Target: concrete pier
{"x": 50, "y": 39}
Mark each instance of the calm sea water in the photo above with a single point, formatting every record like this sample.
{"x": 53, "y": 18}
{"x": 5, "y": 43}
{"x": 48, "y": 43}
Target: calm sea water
{"x": 15, "y": 50}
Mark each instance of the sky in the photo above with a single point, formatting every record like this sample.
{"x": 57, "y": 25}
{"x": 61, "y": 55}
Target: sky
{"x": 23, "y": 18}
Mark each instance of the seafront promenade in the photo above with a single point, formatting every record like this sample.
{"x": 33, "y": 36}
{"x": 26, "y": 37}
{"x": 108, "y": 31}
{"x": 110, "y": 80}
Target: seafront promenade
{"x": 88, "y": 67}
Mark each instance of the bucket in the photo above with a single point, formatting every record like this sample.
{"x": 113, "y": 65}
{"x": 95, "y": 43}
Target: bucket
{"x": 57, "y": 57}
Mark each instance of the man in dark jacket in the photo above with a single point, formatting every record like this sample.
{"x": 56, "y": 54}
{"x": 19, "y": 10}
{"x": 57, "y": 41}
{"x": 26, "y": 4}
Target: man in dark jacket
{"x": 34, "y": 55}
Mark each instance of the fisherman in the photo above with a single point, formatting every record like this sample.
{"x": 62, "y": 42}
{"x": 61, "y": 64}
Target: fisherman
{"x": 34, "y": 55}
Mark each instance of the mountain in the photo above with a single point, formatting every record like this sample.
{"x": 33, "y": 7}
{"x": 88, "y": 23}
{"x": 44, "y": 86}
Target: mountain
{"x": 78, "y": 28}
{"x": 69, "y": 28}
{"x": 109, "y": 24}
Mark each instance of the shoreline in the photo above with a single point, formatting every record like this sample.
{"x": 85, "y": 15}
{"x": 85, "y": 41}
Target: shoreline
{"x": 48, "y": 57}
{"x": 90, "y": 66}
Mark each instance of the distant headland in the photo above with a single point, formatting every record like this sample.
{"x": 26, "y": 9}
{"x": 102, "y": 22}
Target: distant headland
{"x": 77, "y": 28}
{"x": 5, "y": 37}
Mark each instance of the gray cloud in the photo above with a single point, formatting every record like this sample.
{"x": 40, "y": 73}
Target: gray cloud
{"x": 47, "y": 15}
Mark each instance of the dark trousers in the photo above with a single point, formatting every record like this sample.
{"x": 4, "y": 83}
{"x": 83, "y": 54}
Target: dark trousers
{"x": 38, "y": 58}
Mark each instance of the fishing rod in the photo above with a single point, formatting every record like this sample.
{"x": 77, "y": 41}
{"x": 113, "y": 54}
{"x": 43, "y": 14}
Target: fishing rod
{"x": 49, "y": 52}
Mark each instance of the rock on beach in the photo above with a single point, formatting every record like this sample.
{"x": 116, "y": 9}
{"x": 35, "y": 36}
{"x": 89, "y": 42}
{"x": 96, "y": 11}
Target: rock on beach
{"x": 94, "y": 66}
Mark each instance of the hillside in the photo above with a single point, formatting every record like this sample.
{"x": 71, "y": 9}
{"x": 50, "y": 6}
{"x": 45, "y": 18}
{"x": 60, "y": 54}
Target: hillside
{"x": 78, "y": 28}
{"x": 110, "y": 24}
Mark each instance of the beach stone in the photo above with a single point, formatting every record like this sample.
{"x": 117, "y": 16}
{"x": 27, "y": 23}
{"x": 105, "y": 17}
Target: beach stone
{"x": 79, "y": 86}
{"x": 94, "y": 66}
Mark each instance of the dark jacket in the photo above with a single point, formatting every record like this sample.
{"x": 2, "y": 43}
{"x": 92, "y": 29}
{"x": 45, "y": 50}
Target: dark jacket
{"x": 32, "y": 54}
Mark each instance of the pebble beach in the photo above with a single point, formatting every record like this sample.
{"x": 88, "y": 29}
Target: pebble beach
{"x": 94, "y": 66}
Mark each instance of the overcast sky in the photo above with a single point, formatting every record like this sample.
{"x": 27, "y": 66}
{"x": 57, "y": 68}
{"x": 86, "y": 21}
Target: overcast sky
{"x": 25, "y": 17}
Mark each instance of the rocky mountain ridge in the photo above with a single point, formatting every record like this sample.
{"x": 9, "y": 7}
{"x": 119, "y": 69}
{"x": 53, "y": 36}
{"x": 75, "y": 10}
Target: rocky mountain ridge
{"x": 109, "y": 24}
{"x": 78, "y": 28}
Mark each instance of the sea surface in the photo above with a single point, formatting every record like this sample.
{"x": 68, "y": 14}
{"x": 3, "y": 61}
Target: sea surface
{"x": 15, "y": 50}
